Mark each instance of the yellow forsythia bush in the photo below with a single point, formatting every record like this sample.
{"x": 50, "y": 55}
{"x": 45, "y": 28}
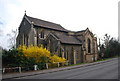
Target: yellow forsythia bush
{"x": 55, "y": 58}
{"x": 34, "y": 52}
{"x": 38, "y": 52}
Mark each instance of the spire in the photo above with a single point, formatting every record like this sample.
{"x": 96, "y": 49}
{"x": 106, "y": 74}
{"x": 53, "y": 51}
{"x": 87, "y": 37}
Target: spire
{"x": 87, "y": 28}
{"x": 25, "y": 12}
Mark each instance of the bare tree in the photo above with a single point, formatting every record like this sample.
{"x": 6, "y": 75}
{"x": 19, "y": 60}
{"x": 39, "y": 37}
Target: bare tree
{"x": 106, "y": 40}
{"x": 12, "y": 38}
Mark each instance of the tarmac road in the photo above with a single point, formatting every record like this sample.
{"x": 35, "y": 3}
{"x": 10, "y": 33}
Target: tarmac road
{"x": 107, "y": 70}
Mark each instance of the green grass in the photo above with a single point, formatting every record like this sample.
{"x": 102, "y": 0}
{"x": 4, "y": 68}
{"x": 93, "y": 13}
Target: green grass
{"x": 95, "y": 61}
{"x": 106, "y": 59}
{"x": 103, "y": 59}
{"x": 76, "y": 64}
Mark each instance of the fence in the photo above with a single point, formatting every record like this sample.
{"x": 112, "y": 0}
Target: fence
{"x": 35, "y": 67}
{"x": 13, "y": 69}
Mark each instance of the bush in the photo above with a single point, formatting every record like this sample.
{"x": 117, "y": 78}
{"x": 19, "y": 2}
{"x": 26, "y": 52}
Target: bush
{"x": 12, "y": 58}
{"x": 39, "y": 54}
{"x": 27, "y": 57}
{"x": 53, "y": 65}
{"x": 55, "y": 58}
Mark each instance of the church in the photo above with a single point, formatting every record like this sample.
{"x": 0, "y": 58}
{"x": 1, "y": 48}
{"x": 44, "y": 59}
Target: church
{"x": 75, "y": 46}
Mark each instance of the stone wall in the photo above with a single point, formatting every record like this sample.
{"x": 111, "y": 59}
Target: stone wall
{"x": 73, "y": 53}
{"x": 46, "y": 32}
{"x": 24, "y": 29}
{"x": 89, "y": 58}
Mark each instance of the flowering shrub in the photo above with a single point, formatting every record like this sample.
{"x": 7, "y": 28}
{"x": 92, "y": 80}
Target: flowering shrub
{"x": 40, "y": 54}
{"x": 27, "y": 57}
{"x": 55, "y": 58}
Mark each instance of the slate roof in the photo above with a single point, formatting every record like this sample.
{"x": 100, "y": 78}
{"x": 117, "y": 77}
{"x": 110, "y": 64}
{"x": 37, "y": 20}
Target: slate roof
{"x": 80, "y": 31}
{"x": 46, "y": 24}
{"x": 67, "y": 39}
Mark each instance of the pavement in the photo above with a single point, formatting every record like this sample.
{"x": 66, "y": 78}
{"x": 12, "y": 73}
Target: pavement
{"x": 31, "y": 73}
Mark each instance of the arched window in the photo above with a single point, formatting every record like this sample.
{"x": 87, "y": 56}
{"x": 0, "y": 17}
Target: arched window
{"x": 42, "y": 34}
{"x": 89, "y": 47}
{"x": 26, "y": 40}
{"x": 61, "y": 52}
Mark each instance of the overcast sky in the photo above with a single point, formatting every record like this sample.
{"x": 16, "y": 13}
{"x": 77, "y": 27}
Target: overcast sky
{"x": 100, "y": 16}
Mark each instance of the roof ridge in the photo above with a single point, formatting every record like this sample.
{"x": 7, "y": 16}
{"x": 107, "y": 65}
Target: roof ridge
{"x": 65, "y": 38}
{"x": 81, "y": 31}
{"x": 43, "y": 20}
{"x": 46, "y": 24}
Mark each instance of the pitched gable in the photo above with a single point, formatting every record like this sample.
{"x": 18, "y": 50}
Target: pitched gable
{"x": 67, "y": 39}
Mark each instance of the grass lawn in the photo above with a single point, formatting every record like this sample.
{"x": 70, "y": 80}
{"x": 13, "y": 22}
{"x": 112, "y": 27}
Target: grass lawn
{"x": 95, "y": 61}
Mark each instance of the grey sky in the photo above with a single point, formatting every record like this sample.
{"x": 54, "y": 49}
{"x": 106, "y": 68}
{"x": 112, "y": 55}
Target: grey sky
{"x": 100, "y": 16}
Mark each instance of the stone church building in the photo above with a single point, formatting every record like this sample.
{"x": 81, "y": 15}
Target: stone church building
{"x": 75, "y": 46}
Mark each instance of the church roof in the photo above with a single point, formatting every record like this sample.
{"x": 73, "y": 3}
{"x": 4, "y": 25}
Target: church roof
{"x": 46, "y": 24}
{"x": 67, "y": 39}
{"x": 81, "y": 31}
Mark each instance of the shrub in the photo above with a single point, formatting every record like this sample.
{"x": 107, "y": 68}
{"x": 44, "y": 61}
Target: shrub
{"x": 27, "y": 57}
{"x": 55, "y": 58}
{"x": 39, "y": 54}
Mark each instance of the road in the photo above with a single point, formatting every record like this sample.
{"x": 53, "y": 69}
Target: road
{"x": 108, "y": 70}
